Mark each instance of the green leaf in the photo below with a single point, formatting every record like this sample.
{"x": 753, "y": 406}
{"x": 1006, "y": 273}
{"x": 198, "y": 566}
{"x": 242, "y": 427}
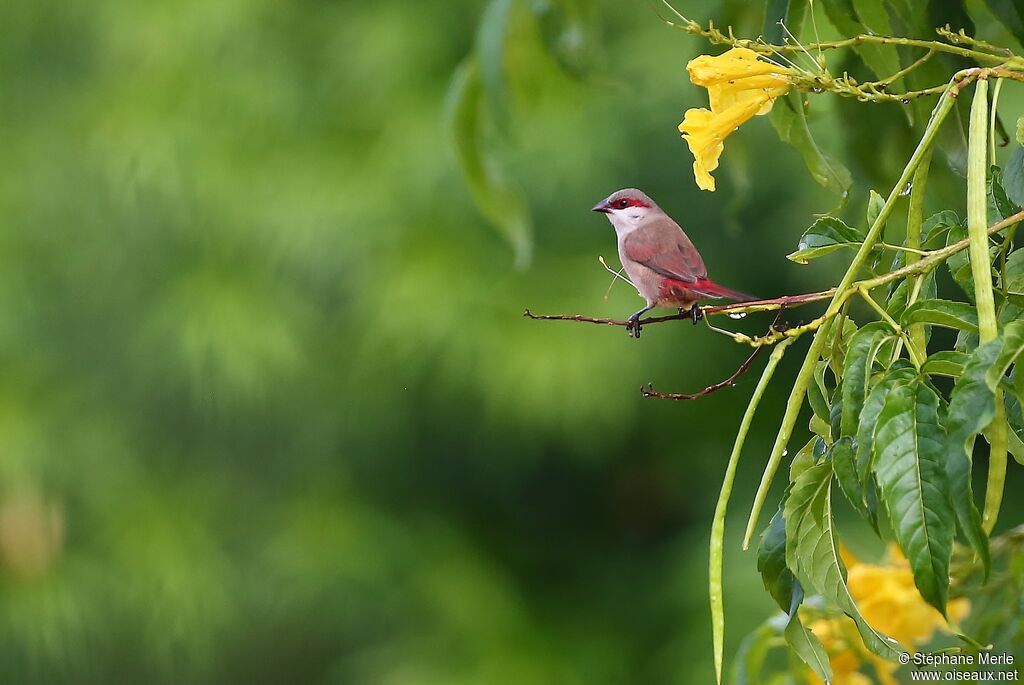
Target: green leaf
{"x": 817, "y": 395}
{"x": 1013, "y": 176}
{"x": 883, "y": 59}
{"x": 999, "y": 205}
{"x": 490, "y": 49}
{"x": 971, "y": 408}
{"x": 911, "y": 473}
{"x": 935, "y": 227}
{"x": 807, "y": 646}
{"x": 845, "y": 469}
{"x": 789, "y": 12}
{"x": 812, "y": 551}
{"x": 869, "y": 416}
{"x": 945, "y": 363}
{"x": 1012, "y": 345}
{"x": 497, "y": 198}
{"x": 958, "y": 315}
{"x": 1011, "y": 14}
{"x": 959, "y": 264}
{"x": 787, "y": 116}
{"x": 771, "y": 563}
{"x": 753, "y": 652}
{"x": 1015, "y": 271}
{"x": 875, "y": 204}
{"x": 565, "y": 30}
{"x": 857, "y": 372}
{"x": 826, "y": 234}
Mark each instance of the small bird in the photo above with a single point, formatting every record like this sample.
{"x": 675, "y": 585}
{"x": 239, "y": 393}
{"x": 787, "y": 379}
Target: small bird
{"x": 661, "y": 261}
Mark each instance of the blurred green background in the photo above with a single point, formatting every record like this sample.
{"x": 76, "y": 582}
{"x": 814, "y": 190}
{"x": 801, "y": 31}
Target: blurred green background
{"x": 269, "y": 411}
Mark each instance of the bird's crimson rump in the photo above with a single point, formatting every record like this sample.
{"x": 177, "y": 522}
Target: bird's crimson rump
{"x": 659, "y": 258}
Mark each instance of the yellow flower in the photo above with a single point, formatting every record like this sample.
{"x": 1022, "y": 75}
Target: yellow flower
{"x": 887, "y": 597}
{"x": 740, "y": 86}
{"x": 889, "y": 600}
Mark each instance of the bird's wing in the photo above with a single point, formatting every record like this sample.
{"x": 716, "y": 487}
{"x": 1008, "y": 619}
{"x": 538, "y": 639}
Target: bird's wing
{"x": 661, "y": 246}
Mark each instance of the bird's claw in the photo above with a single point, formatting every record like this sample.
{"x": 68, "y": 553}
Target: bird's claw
{"x": 633, "y": 327}
{"x": 696, "y": 313}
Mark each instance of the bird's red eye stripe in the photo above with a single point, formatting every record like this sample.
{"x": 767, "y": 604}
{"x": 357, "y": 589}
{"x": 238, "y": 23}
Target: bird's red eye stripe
{"x": 624, "y": 202}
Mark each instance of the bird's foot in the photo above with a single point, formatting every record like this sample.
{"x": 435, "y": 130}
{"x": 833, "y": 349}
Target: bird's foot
{"x": 633, "y": 326}
{"x": 696, "y": 313}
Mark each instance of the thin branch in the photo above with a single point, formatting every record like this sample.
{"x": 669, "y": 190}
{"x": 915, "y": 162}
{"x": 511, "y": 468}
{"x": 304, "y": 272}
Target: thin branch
{"x": 729, "y": 382}
{"x": 735, "y": 308}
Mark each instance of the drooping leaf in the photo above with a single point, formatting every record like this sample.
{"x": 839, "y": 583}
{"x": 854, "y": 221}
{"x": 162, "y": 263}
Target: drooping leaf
{"x": 807, "y": 646}
{"x": 812, "y": 551}
{"x": 897, "y": 375}
{"x": 948, "y": 313}
{"x": 875, "y": 204}
{"x": 945, "y": 363}
{"x": 857, "y": 372}
{"x": 771, "y": 563}
{"x": 845, "y": 469}
{"x": 826, "y": 234}
{"x": 790, "y": 122}
{"x": 496, "y": 197}
{"x": 971, "y": 408}
{"x": 911, "y": 473}
{"x": 817, "y": 395}
{"x": 490, "y": 49}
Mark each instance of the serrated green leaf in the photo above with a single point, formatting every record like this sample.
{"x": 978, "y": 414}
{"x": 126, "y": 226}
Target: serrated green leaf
{"x": 945, "y": 363}
{"x": 911, "y": 473}
{"x": 971, "y": 408}
{"x": 857, "y": 372}
{"x": 869, "y": 416}
{"x": 948, "y": 313}
{"x": 826, "y": 234}
{"x": 787, "y": 116}
{"x": 812, "y": 551}
{"x": 1013, "y": 176}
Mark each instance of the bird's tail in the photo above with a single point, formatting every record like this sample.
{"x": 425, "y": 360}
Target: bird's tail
{"x": 712, "y": 289}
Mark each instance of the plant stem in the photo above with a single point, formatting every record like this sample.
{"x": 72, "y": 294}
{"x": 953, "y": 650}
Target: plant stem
{"x": 915, "y": 216}
{"x": 806, "y": 372}
{"x": 981, "y": 272}
{"x": 718, "y": 522}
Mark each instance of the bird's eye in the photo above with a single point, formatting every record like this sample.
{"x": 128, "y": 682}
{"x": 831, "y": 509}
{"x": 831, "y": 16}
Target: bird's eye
{"x": 622, "y": 204}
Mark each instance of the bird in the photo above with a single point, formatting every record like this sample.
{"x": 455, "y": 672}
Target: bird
{"x": 659, "y": 258}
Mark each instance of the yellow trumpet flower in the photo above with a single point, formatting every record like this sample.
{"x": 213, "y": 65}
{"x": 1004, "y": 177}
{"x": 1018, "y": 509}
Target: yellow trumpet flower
{"x": 888, "y": 599}
{"x": 740, "y": 86}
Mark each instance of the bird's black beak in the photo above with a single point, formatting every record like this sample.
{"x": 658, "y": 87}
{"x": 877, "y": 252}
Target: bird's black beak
{"x": 602, "y": 207}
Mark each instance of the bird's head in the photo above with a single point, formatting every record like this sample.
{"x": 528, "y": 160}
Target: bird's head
{"x": 628, "y": 207}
